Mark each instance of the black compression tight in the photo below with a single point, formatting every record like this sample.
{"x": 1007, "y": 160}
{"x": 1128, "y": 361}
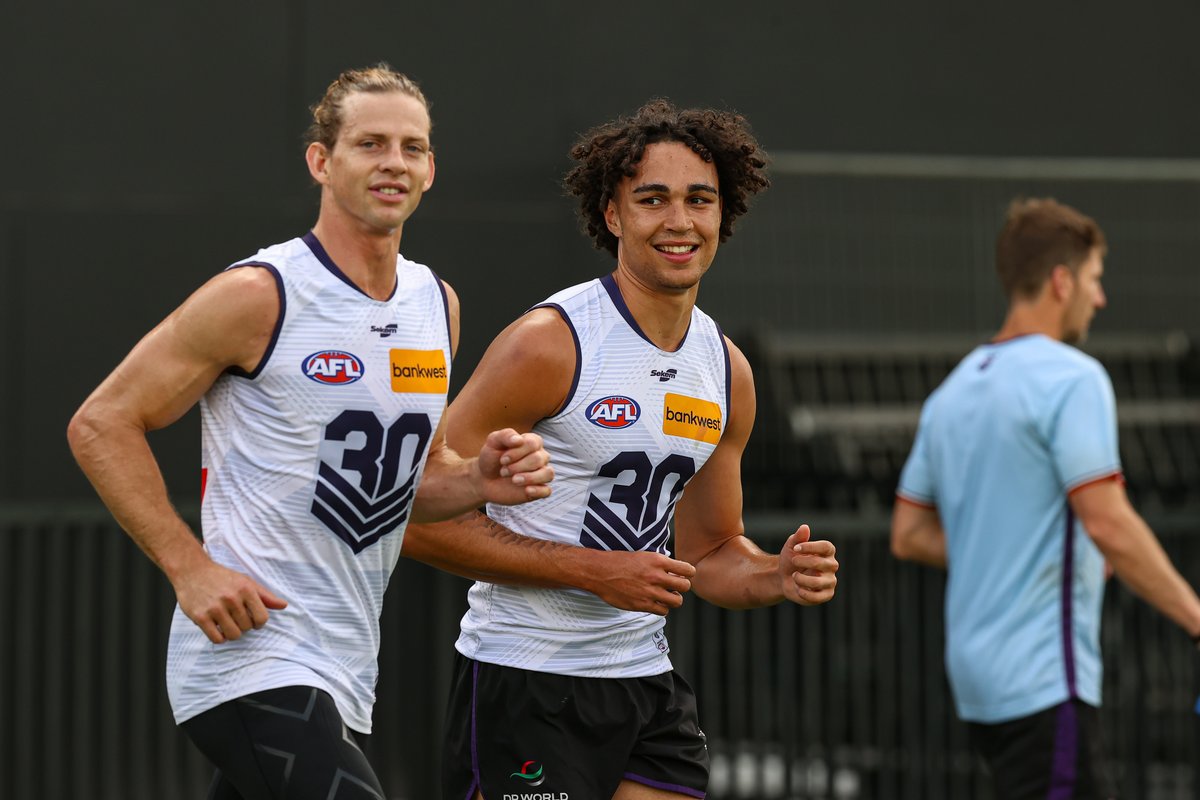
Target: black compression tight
{"x": 283, "y": 744}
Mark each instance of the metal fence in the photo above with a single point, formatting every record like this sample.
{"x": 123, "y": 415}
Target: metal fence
{"x": 853, "y": 243}
{"x": 850, "y": 700}
{"x": 844, "y": 701}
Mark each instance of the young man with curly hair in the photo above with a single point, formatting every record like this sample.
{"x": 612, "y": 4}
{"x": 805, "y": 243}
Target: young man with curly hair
{"x": 645, "y": 407}
{"x": 321, "y": 367}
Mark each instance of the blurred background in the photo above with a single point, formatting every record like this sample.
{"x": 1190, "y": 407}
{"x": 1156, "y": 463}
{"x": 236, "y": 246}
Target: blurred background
{"x": 150, "y": 145}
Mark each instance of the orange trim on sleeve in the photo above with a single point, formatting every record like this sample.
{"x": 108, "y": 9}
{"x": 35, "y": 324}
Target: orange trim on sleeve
{"x": 917, "y": 503}
{"x": 1119, "y": 477}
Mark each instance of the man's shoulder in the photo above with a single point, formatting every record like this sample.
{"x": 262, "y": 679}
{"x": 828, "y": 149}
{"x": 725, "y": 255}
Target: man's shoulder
{"x": 699, "y": 314}
{"x": 1055, "y": 375}
{"x": 1050, "y": 359}
{"x": 1035, "y": 359}
{"x": 565, "y": 296}
{"x": 1038, "y": 368}
{"x": 404, "y": 264}
{"x": 276, "y": 255}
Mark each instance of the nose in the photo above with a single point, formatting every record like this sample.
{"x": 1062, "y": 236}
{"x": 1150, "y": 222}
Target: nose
{"x": 1101, "y": 298}
{"x": 393, "y": 159}
{"x": 678, "y": 218}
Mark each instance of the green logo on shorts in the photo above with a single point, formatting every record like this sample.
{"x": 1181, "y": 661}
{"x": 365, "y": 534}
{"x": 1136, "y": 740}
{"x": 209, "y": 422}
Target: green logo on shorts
{"x": 531, "y": 772}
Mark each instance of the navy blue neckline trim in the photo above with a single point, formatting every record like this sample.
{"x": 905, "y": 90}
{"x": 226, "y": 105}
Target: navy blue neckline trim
{"x": 578, "y": 355}
{"x": 318, "y": 250}
{"x": 609, "y": 282}
{"x": 728, "y": 372}
{"x": 446, "y": 308}
{"x": 262, "y": 362}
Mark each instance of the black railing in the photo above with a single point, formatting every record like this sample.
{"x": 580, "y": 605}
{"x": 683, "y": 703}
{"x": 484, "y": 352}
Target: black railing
{"x": 844, "y": 701}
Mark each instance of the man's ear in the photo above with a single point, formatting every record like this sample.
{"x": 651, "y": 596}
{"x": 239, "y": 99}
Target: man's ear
{"x": 1062, "y": 282}
{"x": 317, "y": 158}
{"x": 432, "y": 170}
{"x": 612, "y": 219}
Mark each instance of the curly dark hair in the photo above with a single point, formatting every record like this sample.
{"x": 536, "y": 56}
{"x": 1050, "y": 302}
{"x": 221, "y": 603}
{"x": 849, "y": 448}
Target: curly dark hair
{"x": 609, "y": 153}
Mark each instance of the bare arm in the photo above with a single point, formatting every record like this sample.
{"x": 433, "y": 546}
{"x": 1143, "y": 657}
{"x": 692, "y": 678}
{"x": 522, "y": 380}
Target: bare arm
{"x": 522, "y": 378}
{"x": 1134, "y": 552}
{"x": 917, "y": 534}
{"x": 731, "y": 570}
{"x": 227, "y": 322}
{"x": 510, "y": 467}
{"x": 476, "y": 547}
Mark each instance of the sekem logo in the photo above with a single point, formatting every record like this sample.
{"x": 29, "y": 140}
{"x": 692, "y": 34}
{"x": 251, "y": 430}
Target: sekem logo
{"x": 664, "y": 375}
{"x": 333, "y": 367}
{"x": 385, "y": 331}
{"x": 614, "y": 411}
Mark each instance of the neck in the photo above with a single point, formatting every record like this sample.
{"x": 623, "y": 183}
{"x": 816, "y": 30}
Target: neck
{"x": 1025, "y": 318}
{"x": 664, "y": 316}
{"x": 367, "y": 257}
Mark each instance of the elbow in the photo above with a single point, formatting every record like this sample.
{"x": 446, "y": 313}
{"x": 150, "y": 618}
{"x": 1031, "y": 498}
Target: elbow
{"x": 96, "y": 433}
{"x": 1107, "y": 533}
{"x": 901, "y": 546}
{"x": 83, "y": 429}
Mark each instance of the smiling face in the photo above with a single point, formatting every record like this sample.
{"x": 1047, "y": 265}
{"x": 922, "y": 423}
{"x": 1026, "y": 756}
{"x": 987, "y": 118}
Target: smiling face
{"x": 667, "y": 218}
{"x": 381, "y": 163}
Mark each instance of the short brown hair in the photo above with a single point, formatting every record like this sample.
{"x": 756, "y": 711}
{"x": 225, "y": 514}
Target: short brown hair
{"x": 611, "y": 152}
{"x": 380, "y": 78}
{"x": 1038, "y": 235}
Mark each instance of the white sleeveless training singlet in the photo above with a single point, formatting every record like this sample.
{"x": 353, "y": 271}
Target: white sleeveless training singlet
{"x": 310, "y": 467}
{"x": 637, "y": 424}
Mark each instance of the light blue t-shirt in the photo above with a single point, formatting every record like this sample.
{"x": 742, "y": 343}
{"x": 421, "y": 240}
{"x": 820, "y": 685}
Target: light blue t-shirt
{"x": 1008, "y": 435}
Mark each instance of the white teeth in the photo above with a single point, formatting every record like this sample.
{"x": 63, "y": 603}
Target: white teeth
{"x": 389, "y": 190}
{"x": 675, "y": 248}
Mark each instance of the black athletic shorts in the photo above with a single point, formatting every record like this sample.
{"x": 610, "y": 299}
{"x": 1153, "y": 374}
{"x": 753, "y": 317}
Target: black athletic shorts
{"x": 514, "y": 733}
{"x": 1056, "y": 753}
{"x": 283, "y": 744}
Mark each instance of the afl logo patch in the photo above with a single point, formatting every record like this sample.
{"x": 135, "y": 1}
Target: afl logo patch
{"x": 335, "y": 367}
{"x": 614, "y": 412}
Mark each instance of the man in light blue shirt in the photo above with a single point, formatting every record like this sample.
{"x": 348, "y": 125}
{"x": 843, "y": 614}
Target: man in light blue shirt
{"x": 1014, "y": 485}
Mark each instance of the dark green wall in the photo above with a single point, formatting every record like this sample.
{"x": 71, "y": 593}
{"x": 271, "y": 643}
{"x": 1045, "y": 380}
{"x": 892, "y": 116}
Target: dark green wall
{"x": 148, "y": 145}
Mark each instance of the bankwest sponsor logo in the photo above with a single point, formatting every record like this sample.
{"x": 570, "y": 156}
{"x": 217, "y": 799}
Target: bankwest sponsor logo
{"x": 421, "y": 371}
{"x": 691, "y": 418}
{"x": 333, "y": 367}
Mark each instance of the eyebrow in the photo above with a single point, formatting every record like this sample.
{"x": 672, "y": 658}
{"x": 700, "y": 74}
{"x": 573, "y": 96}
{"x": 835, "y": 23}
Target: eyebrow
{"x": 662, "y": 187}
{"x": 367, "y": 133}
